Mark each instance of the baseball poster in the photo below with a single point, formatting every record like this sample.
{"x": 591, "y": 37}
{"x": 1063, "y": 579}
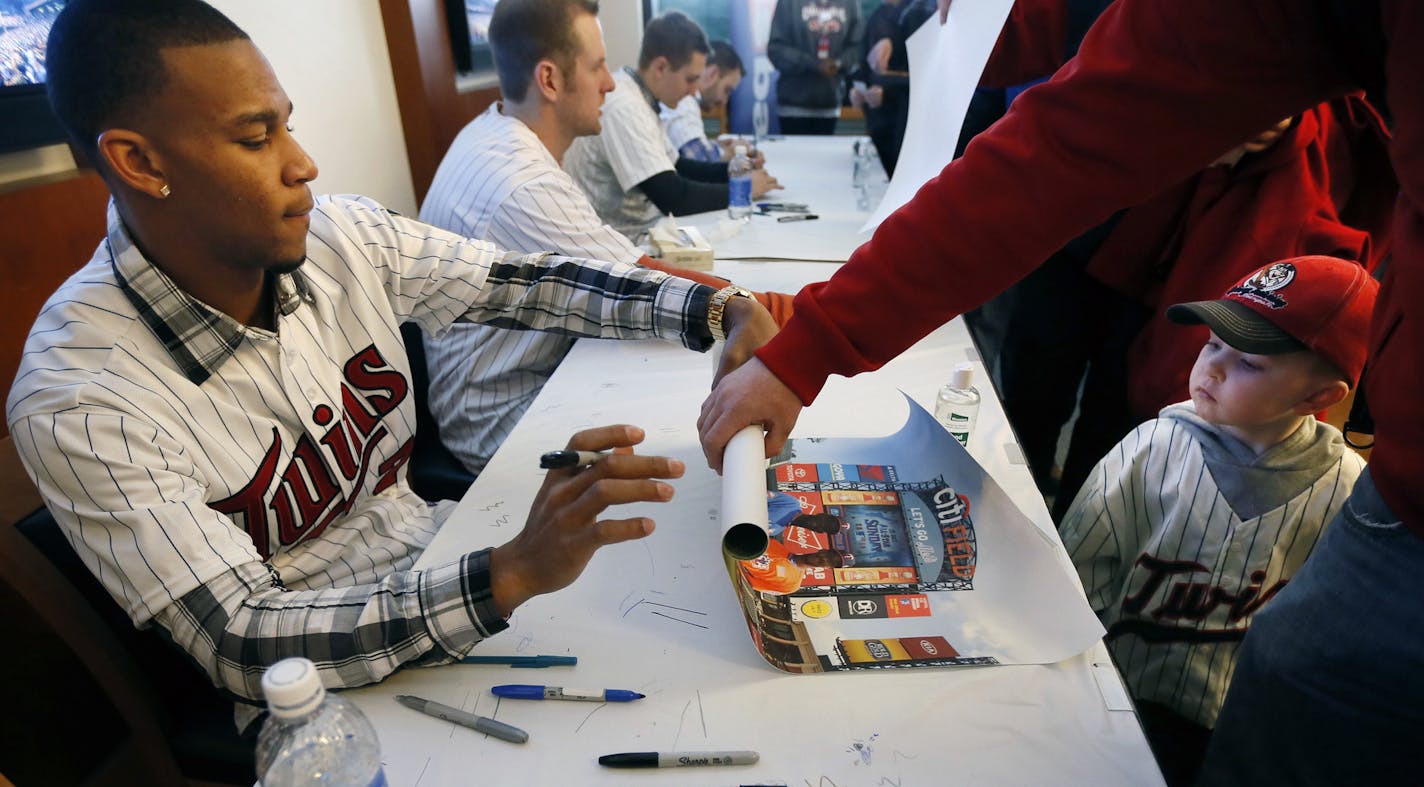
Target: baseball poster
{"x": 901, "y": 551}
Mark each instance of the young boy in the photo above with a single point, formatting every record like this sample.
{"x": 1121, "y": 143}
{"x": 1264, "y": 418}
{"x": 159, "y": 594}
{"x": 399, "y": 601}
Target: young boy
{"x": 1197, "y": 518}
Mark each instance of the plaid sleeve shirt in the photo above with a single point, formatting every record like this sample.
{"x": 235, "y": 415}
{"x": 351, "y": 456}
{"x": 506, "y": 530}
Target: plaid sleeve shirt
{"x": 245, "y": 489}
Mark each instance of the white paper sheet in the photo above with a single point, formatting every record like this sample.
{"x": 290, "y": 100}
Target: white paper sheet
{"x": 934, "y": 565}
{"x": 945, "y": 65}
{"x": 658, "y": 615}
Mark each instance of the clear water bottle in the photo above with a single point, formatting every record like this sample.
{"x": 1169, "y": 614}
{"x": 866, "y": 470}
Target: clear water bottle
{"x": 860, "y": 169}
{"x": 312, "y": 737}
{"x": 739, "y": 184}
{"x": 957, "y": 406}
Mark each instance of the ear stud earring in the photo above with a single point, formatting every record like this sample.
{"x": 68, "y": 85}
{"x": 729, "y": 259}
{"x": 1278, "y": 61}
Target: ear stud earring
{"x": 164, "y": 191}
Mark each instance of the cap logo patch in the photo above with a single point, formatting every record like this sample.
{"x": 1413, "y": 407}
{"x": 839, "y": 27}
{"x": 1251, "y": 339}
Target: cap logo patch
{"x": 1261, "y": 287}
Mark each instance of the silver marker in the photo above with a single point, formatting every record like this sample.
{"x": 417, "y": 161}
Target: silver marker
{"x": 488, "y": 726}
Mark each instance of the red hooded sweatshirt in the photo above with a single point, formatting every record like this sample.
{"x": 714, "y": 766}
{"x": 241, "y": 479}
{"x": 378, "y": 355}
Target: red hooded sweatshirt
{"x": 1157, "y": 92}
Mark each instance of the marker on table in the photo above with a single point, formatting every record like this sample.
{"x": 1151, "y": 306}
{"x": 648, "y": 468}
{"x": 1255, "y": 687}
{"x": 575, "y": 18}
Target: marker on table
{"x": 524, "y": 691}
{"x": 791, "y": 207}
{"x": 678, "y": 759}
{"x": 555, "y": 460}
{"x": 798, "y": 217}
{"x": 488, "y": 726}
{"x": 527, "y": 662}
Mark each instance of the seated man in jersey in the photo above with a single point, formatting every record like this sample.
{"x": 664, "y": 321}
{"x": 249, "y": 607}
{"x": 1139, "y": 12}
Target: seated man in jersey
{"x": 217, "y": 408}
{"x": 501, "y": 181}
{"x": 630, "y": 171}
{"x": 683, "y": 123}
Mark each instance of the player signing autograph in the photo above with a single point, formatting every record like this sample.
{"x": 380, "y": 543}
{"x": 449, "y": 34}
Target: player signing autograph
{"x": 217, "y": 408}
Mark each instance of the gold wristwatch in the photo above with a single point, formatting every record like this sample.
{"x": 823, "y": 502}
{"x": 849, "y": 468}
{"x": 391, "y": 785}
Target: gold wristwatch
{"x": 717, "y": 308}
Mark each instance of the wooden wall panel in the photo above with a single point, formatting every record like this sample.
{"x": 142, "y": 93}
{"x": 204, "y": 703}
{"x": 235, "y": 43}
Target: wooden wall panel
{"x": 47, "y": 231}
{"x": 432, "y": 110}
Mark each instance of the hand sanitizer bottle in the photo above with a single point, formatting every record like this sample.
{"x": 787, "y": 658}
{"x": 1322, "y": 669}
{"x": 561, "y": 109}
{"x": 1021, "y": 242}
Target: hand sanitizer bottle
{"x": 957, "y": 405}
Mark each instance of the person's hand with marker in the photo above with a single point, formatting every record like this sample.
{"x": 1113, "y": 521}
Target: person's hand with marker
{"x": 564, "y": 530}
{"x": 729, "y": 145}
{"x": 763, "y": 182}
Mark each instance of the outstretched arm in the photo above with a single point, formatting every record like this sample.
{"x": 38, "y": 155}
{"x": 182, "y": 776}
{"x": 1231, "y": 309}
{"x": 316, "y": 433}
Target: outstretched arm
{"x": 1156, "y": 92}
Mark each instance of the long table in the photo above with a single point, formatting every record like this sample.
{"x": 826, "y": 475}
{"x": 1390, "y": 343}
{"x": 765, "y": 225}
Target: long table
{"x": 814, "y": 171}
{"x": 659, "y": 616}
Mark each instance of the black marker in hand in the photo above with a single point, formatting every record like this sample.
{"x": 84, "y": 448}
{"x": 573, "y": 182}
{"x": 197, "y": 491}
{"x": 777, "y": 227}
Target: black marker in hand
{"x": 558, "y": 460}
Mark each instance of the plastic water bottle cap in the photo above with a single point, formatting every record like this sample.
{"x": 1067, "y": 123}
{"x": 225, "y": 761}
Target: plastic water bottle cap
{"x": 963, "y": 376}
{"x": 292, "y": 688}
{"x": 740, "y": 150}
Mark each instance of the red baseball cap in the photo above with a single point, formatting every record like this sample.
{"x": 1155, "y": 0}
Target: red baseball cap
{"x": 1317, "y": 303}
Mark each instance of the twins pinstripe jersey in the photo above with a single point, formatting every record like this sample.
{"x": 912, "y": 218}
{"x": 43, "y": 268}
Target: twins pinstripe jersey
{"x": 684, "y": 129}
{"x": 1173, "y": 571}
{"x": 500, "y": 183}
{"x": 631, "y": 149}
{"x": 245, "y": 489}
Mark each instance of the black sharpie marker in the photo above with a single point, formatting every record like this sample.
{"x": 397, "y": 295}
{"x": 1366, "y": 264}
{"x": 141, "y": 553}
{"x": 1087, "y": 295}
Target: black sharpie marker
{"x": 556, "y": 460}
{"x": 678, "y": 759}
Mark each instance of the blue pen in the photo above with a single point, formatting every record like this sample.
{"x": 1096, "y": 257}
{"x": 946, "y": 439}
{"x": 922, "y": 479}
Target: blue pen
{"x": 531, "y": 662}
{"x": 524, "y": 691}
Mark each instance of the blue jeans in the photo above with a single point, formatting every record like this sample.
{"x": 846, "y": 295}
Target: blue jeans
{"x": 1329, "y": 685}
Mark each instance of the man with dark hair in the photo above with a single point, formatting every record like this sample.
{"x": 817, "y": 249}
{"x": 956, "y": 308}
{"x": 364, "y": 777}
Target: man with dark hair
{"x": 631, "y": 172}
{"x": 683, "y": 123}
{"x": 501, "y": 181}
{"x": 217, "y": 407}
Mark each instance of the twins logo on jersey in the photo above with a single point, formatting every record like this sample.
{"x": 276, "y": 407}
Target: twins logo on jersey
{"x": 306, "y": 496}
{"x": 1182, "y": 605}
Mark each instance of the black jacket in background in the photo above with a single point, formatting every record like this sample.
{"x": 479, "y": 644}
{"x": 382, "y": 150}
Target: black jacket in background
{"x": 791, "y": 47}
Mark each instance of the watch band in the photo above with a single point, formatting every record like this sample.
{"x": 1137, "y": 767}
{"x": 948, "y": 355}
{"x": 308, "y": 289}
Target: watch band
{"x": 717, "y": 309}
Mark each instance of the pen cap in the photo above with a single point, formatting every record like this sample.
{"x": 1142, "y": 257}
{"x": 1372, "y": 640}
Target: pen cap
{"x": 292, "y": 688}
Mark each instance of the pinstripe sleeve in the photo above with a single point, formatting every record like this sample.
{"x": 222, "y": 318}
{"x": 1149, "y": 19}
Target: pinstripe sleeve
{"x": 686, "y": 133}
{"x": 544, "y": 214}
{"x": 1096, "y": 529}
{"x": 436, "y": 277}
{"x": 634, "y": 140}
{"x": 134, "y": 507}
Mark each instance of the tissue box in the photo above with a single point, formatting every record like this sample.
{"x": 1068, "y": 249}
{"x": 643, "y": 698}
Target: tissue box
{"x": 681, "y": 246}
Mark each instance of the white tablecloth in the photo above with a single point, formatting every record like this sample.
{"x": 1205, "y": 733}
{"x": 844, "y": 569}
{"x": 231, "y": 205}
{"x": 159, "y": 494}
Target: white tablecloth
{"x": 817, "y": 172}
{"x": 658, "y": 616}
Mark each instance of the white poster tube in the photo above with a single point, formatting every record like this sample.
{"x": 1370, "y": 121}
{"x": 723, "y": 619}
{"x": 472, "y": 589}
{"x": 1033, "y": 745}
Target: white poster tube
{"x": 744, "y": 516}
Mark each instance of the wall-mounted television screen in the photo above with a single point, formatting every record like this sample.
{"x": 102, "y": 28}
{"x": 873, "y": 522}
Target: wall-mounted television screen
{"x": 24, "y": 30}
{"x": 468, "y": 21}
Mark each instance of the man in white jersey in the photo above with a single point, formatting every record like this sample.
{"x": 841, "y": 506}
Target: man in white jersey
{"x": 630, "y": 171}
{"x": 501, "y": 181}
{"x": 683, "y": 123}
{"x": 217, "y": 407}
{"x": 1199, "y": 517}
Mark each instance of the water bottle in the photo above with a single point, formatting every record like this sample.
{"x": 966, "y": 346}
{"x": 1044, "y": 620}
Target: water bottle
{"x": 860, "y": 171}
{"x": 312, "y": 737}
{"x": 739, "y": 184}
{"x": 957, "y": 405}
